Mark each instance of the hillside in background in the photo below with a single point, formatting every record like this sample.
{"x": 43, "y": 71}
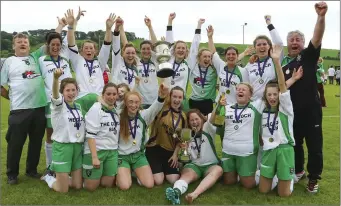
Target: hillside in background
{"x": 37, "y": 38}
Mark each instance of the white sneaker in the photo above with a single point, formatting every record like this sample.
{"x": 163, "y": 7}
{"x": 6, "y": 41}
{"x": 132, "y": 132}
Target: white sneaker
{"x": 299, "y": 176}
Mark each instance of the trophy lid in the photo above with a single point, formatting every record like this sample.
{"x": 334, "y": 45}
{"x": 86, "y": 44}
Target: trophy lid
{"x": 162, "y": 42}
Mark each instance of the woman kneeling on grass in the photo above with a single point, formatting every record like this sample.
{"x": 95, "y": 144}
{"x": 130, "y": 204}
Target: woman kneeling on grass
{"x": 277, "y": 134}
{"x": 134, "y": 136}
{"x": 204, "y": 160}
{"x": 100, "y": 148}
{"x": 68, "y": 136}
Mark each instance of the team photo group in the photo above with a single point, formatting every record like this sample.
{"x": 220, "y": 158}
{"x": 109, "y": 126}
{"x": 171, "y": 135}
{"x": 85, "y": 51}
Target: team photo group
{"x": 155, "y": 114}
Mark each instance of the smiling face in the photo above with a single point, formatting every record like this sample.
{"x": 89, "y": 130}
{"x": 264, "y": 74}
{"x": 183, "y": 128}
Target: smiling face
{"x": 295, "y": 42}
{"x": 262, "y": 48}
{"x": 129, "y": 54}
{"x": 176, "y": 98}
{"x": 195, "y": 121}
{"x": 121, "y": 92}
{"x": 88, "y": 51}
{"x": 180, "y": 50}
{"x": 243, "y": 94}
{"x": 205, "y": 58}
{"x": 272, "y": 96}
{"x": 54, "y": 47}
{"x": 21, "y": 45}
{"x": 133, "y": 103}
{"x": 146, "y": 51}
{"x": 110, "y": 96}
{"x": 70, "y": 92}
{"x": 231, "y": 57}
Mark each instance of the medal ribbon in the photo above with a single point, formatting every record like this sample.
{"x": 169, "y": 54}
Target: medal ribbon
{"x": 228, "y": 80}
{"x": 145, "y": 68}
{"x": 202, "y": 80}
{"x": 57, "y": 64}
{"x": 261, "y": 70}
{"x": 78, "y": 120}
{"x": 177, "y": 122}
{"x": 90, "y": 68}
{"x": 196, "y": 144}
{"x": 272, "y": 129}
{"x": 240, "y": 114}
{"x": 133, "y": 130}
{"x": 130, "y": 76}
{"x": 177, "y": 68}
{"x": 112, "y": 116}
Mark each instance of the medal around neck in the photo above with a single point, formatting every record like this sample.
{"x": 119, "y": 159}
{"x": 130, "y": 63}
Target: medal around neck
{"x": 163, "y": 55}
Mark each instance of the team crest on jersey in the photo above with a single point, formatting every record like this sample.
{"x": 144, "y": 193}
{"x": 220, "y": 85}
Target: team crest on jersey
{"x": 88, "y": 172}
{"x": 30, "y": 75}
{"x": 298, "y": 58}
{"x": 27, "y": 61}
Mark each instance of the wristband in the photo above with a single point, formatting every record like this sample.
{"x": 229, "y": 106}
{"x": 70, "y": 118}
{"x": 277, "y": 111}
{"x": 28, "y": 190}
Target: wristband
{"x": 69, "y": 27}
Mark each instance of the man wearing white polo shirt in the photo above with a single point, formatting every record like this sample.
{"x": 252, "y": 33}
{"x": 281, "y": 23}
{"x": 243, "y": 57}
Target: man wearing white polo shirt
{"x": 331, "y": 73}
{"x": 27, "y": 107}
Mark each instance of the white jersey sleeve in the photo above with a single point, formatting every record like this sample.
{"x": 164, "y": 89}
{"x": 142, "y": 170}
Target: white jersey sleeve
{"x": 149, "y": 114}
{"x": 217, "y": 62}
{"x": 92, "y": 122}
{"x": 169, "y": 35}
{"x": 276, "y": 39}
{"x": 285, "y": 104}
{"x": 64, "y": 52}
{"x": 258, "y": 105}
{"x": 4, "y": 73}
{"x": 116, "y": 53}
{"x": 193, "y": 52}
{"x": 57, "y": 104}
{"x": 74, "y": 56}
{"x": 103, "y": 56}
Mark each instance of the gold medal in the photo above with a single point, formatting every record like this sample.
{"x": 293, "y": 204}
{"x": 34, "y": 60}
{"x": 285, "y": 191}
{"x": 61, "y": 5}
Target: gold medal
{"x": 271, "y": 139}
{"x": 175, "y": 136}
{"x": 228, "y": 91}
{"x": 78, "y": 134}
{"x": 90, "y": 80}
{"x": 202, "y": 92}
{"x": 134, "y": 142}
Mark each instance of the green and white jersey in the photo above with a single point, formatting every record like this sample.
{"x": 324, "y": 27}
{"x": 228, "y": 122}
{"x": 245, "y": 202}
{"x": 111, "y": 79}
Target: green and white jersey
{"x": 279, "y": 124}
{"x": 48, "y": 66}
{"x": 89, "y": 74}
{"x": 103, "y": 125}
{"x": 258, "y": 81}
{"x": 228, "y": 79}
{"x": 203, "y": 82}
{"x": 242, "y": 127}
{"x": 206, "y": 144}
{"x": 143, "y": 119}
{"x": 67, "y": 121}
{"x": 149, "y": 83}
{"x": 120, "y": 72}
{"x": 320, "y": 73}
{"x": 23, "y": 77}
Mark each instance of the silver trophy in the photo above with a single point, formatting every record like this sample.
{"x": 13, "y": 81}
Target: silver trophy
{"x": 163, "y": 55}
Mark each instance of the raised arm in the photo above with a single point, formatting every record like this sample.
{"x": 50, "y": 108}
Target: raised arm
{"x": 116, "y": 48}
{"x": 55, "y": 85}
{"x": 104, "y": 53}
{"x": 210, "y": 32}
{"x": 275, "y": 37}
{"x": 321, "y": 10}
{"x": 275, "y": 55}
{"x": 123, "y": 35}
{"x": 193, "y": 52}
{"x": 248, "y": 51}
{"x": 61, "y": 24}
{"x": 70, "y": 19}
{"x": 148, "y": 23}
{"x": 169, "y": 32}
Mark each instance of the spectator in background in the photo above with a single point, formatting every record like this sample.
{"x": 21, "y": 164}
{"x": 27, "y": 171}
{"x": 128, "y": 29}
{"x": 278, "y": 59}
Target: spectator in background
{"x": 320, "y": 80}
{"x": 337, "y": 76}
{"x": 331, "y": 74}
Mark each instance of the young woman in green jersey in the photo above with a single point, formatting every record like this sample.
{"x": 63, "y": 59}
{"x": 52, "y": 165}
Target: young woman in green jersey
{"x": 134, "y": 136}
{"x": 277, "y": 133}
{"x": 100, "y": 158}
{"x": 320, "y": 81}
{"x": 163, "y": 146}
{"x": 68, "y": 136}
{"x": 204, "y": 160}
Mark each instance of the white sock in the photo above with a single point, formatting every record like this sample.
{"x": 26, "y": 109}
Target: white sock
{"x": 181, "y": 185}
{"x": 292, "y": 186}
{"x": 238, "y": 178}
{"x": 49, "y": 180}
{"x": 274, "y": 182}
{"x": 138, "y": 181}
{"x": 48, "y": 153}
{"x": 257, "y": 177}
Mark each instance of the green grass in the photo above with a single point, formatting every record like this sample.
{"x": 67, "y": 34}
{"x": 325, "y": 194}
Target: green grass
{"x": 30, "y": 191}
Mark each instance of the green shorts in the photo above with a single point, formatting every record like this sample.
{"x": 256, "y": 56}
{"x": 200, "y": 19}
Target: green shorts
{"x": 133, "y": 161}
{"x": 66, "y": 157}
{"x": 280, "y": 161}
{"x": 86, "y": 102}
{"x": 199, "y": 170}
{"x": 48, "y": 115}
{"x": 245, "y": 166}
{"x": 108, "y": 167}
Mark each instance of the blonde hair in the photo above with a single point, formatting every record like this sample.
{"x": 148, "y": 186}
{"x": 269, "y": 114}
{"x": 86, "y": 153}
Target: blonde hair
{"x": 200, "y": 53}
{"x": 176, "y": 44}
{"x": 248, "y": 85}
{"x": 124, "y": 117}
{"x": 91, "y": 42}
{"x": 129, "y": 45}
